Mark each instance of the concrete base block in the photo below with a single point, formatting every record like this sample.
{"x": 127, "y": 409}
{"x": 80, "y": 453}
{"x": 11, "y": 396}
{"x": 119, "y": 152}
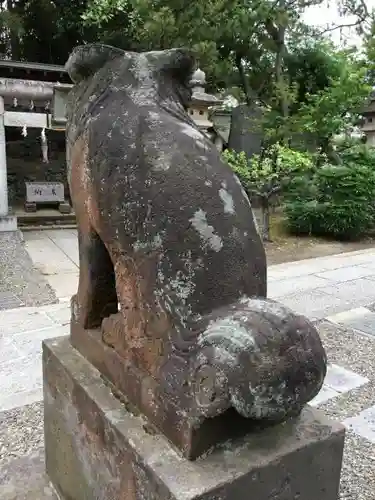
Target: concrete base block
{"x": 8, "y": 223}
{"x": 30, "y": 206}
{"x": 65, "y": 208}
{"x": 96, "y": 449}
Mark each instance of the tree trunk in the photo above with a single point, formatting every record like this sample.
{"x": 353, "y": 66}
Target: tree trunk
{"x": 266, "y": 236}
{"x": 13, "y": 34}
{"x": 328, "y": 149}
{"x": 277, "y": 33}
{"x": 244, "y": 81}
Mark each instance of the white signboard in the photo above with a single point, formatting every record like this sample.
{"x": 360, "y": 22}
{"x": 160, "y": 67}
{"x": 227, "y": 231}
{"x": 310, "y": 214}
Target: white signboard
{"x": 44, "y": 192}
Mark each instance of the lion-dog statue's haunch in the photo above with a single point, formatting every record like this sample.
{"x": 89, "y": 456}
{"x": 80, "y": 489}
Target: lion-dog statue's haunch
{"x": 172, "y": 280}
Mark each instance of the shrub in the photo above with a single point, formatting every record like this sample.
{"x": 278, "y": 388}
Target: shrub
{"x": 267, "y": 176}
{"x": 357, "y": 153}
{"x": 240, "y": 164}
{"x": 339, "y": 202}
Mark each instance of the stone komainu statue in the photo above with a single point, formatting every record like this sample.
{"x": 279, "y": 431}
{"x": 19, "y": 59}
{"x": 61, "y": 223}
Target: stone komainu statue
{"x": 172, "y": 267}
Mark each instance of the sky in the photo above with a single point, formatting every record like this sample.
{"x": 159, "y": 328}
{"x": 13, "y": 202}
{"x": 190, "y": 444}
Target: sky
{"x": 329, "y": 15}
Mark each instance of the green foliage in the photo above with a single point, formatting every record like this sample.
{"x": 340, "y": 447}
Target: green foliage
{"x": 336, "y": 201}
{"x": 355, "y": 152}
{"x": 240, "y": 164}
{"x": 322, "y": 113}
{"x": 330, "y": 111}
{"x": 235, "y": 41}
{"x": 269, "y": 175}
{"x": 100, "y": 12}
{"x": 42, "y": 30}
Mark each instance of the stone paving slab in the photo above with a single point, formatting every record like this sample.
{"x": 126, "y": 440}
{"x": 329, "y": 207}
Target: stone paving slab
{"x": 67, "y": 241}
{"x": 355, "y": 292}
{"x": 315, "y": 304}
{"x": 342, "y": 380}
{"x": 364, "y": 258}
{"x": 48, "y": 256}
{"x": 21, "y": 334}
{"x": 351, "y": 273}
{"x": 55, "y": 254}
{"x": 325, "y": 286}
{"x": 64, "y": 284}
{"x": 289, "y": 286}
{"x": 361, "y": 319}
{"x": 338, "y": 381}
{"x": 363, "y": 424}
{"x": 15, "y": 321}
{"x": 9, "y": 300}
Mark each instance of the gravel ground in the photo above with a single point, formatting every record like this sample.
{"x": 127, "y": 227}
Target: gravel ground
{"x": 21, "y": 432}
{"x": 20, "y": 283}
{"x": 22, "y": 468}
{"x": 355, "y": 352}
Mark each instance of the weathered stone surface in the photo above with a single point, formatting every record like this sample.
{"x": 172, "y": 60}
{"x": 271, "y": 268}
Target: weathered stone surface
{"x": 95, "y": 448}
{"x": 166, "y": 230}
{"x": 246, "y": 132}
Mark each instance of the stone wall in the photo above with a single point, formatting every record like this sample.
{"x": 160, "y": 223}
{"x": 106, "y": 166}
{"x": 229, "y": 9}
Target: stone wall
{"x": 25, "y": 164}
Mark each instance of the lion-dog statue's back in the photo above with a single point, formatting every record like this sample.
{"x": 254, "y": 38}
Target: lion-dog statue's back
{"x": 172, "y": 268}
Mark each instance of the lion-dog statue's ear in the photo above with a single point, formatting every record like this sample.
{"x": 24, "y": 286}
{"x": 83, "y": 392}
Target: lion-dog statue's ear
{"x": 179, "y": 63}
{"x": 85, "y": 60}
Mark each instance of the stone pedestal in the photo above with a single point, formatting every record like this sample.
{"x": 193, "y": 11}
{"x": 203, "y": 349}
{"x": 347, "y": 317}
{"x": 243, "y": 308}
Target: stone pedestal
{"x": 30, "y": 206}
{"x": 3, "y": 165}
{"x": 8, "y": 223}
{"x": 65, "y": 208}
{"x": 97, "y": 449}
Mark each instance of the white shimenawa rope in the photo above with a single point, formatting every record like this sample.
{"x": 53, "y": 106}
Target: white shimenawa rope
{"x": 43, "y": 138}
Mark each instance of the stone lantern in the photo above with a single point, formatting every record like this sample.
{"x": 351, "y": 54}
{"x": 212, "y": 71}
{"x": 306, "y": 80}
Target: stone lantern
{"x": 201, "y": 102}
{"x": 368, "y": 120}
{"x": 211, "y": 114}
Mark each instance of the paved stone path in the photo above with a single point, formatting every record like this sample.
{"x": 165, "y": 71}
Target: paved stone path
{"x": 332, "y": 291}
{"x": 315, "y": 287}
{"x": 55, "y": 254}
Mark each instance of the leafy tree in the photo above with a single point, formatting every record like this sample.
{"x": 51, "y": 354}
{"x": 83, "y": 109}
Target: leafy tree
{"x": 239, "y": 42}
{"x": 43, "y": 30}
{"x": 336, "y": 108}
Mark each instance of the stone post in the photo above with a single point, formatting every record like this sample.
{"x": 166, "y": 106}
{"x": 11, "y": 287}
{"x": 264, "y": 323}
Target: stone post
{"x": 3, "y": 164}
{"x": 8, "y": 222}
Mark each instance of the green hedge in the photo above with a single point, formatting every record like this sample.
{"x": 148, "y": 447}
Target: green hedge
{"x": 335, "y": 201}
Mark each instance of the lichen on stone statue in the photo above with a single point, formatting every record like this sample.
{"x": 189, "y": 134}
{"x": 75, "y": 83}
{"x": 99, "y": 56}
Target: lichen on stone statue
{"x": 172, "y": 267}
